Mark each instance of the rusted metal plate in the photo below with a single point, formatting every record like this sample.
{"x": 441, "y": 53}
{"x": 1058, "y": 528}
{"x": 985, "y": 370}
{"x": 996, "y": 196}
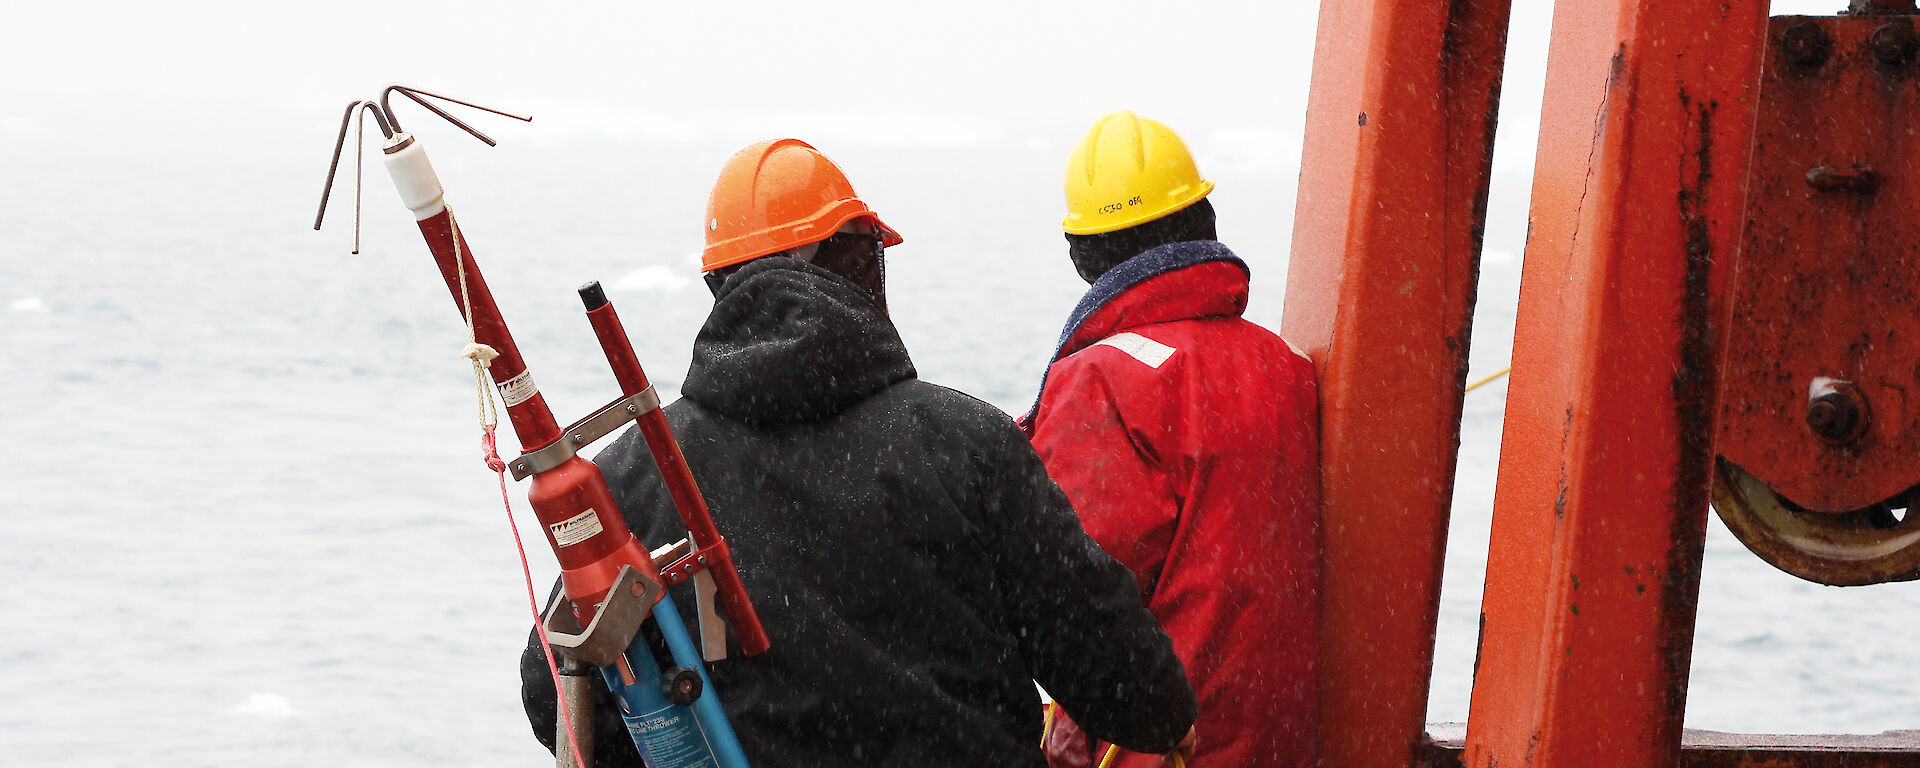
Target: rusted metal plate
{"x": 1380, "y": 291}
{"x": 1821, "y": 391}
{"x": 1713, "y": 749}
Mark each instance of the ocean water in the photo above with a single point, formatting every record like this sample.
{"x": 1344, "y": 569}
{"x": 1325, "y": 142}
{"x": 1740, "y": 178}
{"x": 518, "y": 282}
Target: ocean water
{"x": 246, "y": 521}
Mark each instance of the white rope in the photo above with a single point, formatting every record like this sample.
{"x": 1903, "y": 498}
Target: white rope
{"x": 482, "y": 357}
{"x": 479, "y": 354}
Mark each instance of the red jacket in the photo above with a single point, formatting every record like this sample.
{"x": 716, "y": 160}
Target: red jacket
{"x": 1186, "y": 438}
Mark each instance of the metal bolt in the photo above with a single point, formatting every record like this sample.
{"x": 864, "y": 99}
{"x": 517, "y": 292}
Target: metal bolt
{"x": 1855, "y": 179}
{"x": 1822, "y": 414}
{"x": 1837, "y": 416}
{"x": 1805, "y": 45}
{"x": 631, "y": 408}
{"x": 682, "y": 685}
{"x": 701, "y": 559}
{"x": 1893, "y": 44}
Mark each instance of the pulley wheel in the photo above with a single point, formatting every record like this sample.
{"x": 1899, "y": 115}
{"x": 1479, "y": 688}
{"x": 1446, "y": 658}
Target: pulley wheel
{"x": 1872, "y": 545}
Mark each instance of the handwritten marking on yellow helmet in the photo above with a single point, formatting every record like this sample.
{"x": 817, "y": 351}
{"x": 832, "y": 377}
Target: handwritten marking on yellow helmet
{"x": 1128, "y": 170}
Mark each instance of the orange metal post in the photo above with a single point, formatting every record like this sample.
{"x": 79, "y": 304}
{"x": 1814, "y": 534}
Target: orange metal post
{"x": 1380, "y": 290}
{"x": 1600, "y": 510}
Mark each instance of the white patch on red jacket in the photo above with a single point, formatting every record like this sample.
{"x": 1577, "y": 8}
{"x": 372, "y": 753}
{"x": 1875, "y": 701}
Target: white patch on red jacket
{"x": 1143, "y": 349}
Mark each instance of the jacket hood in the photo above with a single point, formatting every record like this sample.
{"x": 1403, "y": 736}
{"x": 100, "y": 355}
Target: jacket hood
{"x": 788, "y": 343}
{"x": 1176, "y": 281}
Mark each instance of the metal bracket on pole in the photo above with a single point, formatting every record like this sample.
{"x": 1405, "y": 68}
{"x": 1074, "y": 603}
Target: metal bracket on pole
{"x": 583, "y": 432}
{"x": 678, "y": 561}
{"x": 626, "y": 607}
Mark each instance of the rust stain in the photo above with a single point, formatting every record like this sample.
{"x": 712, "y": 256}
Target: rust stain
{"x": 1616, "y": 72}
{"x": 1694, "y": 386}
{"x": 1479, "y": 645}
{"x": 1566, "y": 435}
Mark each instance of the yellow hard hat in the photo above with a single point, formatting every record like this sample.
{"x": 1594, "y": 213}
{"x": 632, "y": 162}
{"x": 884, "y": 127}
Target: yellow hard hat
{"x": 1128, "y": 170}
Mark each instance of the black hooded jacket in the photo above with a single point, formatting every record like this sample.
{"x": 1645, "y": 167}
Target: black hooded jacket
{"x": 913, "y": 564}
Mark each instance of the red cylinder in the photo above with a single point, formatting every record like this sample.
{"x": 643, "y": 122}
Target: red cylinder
{"x": 587, "y": 533}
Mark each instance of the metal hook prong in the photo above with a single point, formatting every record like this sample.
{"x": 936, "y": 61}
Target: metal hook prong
{"x": 333, "y": 167}
{"x": 415, "y": 94}
{"x": 356, "y": 109}
{"x": 475, "y": 132}
{"x": 382, "y": 112}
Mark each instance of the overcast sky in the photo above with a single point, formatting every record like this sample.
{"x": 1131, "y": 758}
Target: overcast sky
{"x": 1240, "y": 63}
{"x": 999, "y": 70}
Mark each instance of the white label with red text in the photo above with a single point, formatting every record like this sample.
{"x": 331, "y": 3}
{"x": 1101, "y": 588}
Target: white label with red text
{"x": 576, "y": 529}
{"x": 518, "y": 389}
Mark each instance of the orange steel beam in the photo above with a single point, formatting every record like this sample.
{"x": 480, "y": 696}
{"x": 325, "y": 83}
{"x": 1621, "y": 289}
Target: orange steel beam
{"x": 1600, "y": 509}
{"x": 1380, "y": 290}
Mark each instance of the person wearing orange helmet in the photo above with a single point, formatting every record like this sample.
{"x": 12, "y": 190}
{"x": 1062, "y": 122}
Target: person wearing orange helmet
{"x": 1187, "y": 439}
{"x": 913, "y": 565}
{"x": 784, "y": 198}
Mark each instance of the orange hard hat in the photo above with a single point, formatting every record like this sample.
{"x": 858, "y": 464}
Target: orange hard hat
{"x": 776, "y": 195}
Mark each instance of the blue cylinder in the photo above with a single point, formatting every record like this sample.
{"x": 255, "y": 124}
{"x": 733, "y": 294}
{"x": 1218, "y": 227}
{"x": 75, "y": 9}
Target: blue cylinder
{"x": 671, "y": 735}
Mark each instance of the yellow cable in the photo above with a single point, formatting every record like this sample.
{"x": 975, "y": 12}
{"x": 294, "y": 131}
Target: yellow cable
{"x": 1489, "y": 379}
{"x": 1112, "y": 749}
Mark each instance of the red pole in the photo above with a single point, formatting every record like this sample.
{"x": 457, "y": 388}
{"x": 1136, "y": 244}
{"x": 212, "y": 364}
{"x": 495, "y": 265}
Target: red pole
{"x": 674, "y": 472}
{"x": 532, "y": 420}
{"x": 577, "y": 513}
{"x": 1386, "y": 246}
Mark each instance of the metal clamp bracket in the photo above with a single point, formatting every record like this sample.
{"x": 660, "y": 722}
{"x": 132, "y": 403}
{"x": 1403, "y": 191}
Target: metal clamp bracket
{"x": 625, "y": 607}
{"x": 583, "y": 432}
{"x": 692, "y": 561}
{"x": 679, "y": 562}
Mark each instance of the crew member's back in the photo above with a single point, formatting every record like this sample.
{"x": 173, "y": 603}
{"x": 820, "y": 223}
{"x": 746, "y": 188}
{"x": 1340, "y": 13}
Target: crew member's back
{"x": 914, "y": 567}
{"x": 1186, "y": 438}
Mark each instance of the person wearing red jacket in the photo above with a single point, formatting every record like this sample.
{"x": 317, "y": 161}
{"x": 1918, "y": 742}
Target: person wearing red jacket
{"x": 1186, "y": 438}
